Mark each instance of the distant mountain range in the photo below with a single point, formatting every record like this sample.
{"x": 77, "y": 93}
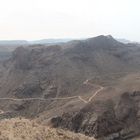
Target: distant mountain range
{"x": 7, "y": 46}
{"x": 124, "y": 41}
{"x": 24, "y": 42}
{"x": 48, "y": 41}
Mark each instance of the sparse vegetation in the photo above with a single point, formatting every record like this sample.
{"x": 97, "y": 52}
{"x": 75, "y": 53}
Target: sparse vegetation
{"x": 24, "y": 129}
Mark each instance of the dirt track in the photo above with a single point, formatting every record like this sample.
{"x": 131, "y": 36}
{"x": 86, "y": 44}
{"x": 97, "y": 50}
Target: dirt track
{"x": 72, "y": 97}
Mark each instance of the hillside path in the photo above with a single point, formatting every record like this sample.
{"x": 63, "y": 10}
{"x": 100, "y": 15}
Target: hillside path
{"x": 72, "y": 97}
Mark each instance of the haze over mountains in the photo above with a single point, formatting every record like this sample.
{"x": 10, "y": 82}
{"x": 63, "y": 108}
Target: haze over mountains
{"x": 88, "y": 86}
{"x": 7, "y": 46}
{"x": 46, "y": 41}
{"x": 24, "y": 42}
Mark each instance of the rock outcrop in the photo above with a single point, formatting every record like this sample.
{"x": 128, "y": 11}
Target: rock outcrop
{"x": 104, "y": 120}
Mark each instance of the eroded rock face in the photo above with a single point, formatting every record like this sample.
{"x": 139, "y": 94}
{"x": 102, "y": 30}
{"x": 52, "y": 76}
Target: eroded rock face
{"x": 91, "y": 120}
{"x": 104, "y": 120}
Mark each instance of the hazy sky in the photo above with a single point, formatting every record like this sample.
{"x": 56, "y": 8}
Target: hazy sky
{"x": 39, "y": 19}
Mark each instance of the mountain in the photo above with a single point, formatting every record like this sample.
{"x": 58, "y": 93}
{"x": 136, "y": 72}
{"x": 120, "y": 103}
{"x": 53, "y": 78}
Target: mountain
{"x": 50, "y": 41}
{"x": 124, "y": 41}
{"x": 7, "y": 46}
{"x": 13, "y": 42}
{"x": 86, "y": 86}
{"x": 63, "y": 65}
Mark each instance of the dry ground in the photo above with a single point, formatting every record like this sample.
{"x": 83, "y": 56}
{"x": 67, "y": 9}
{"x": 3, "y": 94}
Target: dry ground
{"x": 24, "y": 129}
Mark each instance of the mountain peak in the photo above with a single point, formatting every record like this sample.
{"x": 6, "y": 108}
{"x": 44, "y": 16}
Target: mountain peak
{"x": 110, "y": 36}
{"x": 103, "y": 41}
{"x": 102, "y": 37}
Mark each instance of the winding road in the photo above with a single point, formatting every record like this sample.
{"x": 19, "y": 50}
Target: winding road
{"x": 94, "y": 93}
{"x": 72, "y": 97}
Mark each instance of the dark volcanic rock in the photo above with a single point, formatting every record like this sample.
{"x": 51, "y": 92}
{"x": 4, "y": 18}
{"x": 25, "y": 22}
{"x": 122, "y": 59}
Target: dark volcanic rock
{"x": 104, "y": 120}
{"x": 91, "y": 120}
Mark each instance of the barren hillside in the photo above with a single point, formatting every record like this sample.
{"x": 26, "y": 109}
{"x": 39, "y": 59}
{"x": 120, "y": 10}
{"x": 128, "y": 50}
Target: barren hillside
{"x": 79, "y": 82}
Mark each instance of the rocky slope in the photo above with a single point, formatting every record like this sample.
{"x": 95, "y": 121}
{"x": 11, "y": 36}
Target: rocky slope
{"x": 105, "y": 120}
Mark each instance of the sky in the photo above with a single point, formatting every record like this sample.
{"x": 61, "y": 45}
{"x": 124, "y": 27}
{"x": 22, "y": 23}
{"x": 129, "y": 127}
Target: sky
{"x": 40, "y": 19}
